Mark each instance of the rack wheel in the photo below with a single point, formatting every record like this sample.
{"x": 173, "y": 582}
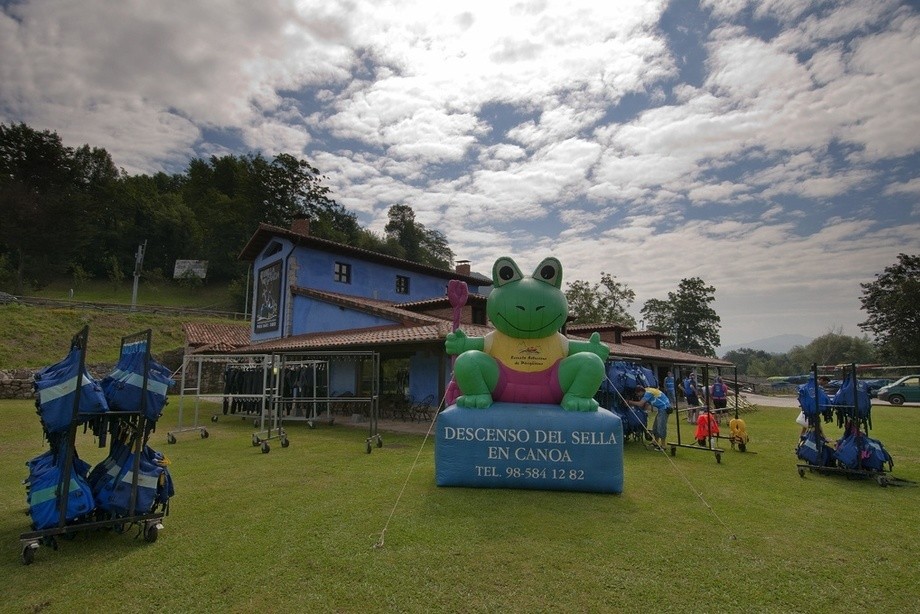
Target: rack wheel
{"x": 310, "y": 424}
{"x": 151, "y": 532}
{"x": 265, "y": 447}
{"x": 285, "y": 442}
{"x": 255, "y": 440}
{"x": 368, "y": 447}
{"x": 882, "y": 480}
{"x": 379, "y": 442}
{"x": 214, "y": 418}
{"x": 742, "y": 447}
{"x": 28, "y": 553}
{"x": 170, "y": 438}
{"x": 205, "y": 434}
{"x": 718, "y": 458}
{"x": 673, "y": 450}
{"x": 255, "y": 424}
{"x": 801, "y": 472}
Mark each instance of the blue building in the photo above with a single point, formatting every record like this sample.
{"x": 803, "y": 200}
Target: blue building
{"x": 310, "y": 294}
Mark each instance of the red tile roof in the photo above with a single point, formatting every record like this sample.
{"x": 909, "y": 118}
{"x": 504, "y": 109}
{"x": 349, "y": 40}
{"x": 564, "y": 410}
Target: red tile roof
{"x": 413, "y": 329}
{"x": 200, "y": 337}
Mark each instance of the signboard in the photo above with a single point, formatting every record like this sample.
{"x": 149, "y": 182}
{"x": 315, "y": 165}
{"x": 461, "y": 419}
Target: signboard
{"x": 533, "y": 446}
{"x": 268, "y": 298}
{"x": 189, "y": 268}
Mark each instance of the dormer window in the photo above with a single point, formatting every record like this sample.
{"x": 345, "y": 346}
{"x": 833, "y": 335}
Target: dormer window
{"x": 402, "y": 284}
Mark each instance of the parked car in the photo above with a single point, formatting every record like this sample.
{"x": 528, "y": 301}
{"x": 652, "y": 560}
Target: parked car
{"x": 906, "y": 389}
{"x": 872, "y": 386}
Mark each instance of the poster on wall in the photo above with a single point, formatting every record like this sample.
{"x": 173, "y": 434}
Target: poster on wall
{"x": 268, "y": 298}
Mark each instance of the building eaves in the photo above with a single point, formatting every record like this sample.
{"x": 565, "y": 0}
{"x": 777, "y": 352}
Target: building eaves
{"x": 439, "y": 302}
{"x": 376, "y": 307}
{"x": 383, "y": 336}
{"x": 640, "y": 352}
{"x": 596, "y": 327}
{"x": 266, "y": 232}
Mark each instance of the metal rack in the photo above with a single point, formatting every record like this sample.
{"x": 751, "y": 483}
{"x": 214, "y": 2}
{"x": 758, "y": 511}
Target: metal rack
{"x": 673, "y": 445}
{"x": 848, "y": 416}
{"x": 106, "y": 423}
{"x": 191, "y": 383}
{"x": 268, "y": 401}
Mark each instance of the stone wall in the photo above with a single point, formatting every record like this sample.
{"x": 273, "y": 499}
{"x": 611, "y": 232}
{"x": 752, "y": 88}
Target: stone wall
{"x": 17, "y": 383}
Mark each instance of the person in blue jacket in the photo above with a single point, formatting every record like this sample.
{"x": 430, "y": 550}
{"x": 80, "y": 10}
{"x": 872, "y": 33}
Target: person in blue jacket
{"x": 652, "y": 397}
{"x": 669, "y": 389}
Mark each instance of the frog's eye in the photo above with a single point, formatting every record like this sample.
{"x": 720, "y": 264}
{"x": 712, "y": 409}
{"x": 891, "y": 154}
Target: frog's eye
{"x": 505, "y": 271}
{"x": 550, "y": 272}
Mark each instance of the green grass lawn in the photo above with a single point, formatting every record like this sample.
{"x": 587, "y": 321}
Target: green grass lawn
{"x": 294, "y": 530}
{"x": 161, "y": 292}
{"x": 33, "y": 337}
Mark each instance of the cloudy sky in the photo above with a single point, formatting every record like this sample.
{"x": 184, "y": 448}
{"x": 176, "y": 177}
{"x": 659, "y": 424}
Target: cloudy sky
{"x": 770, "y": 148}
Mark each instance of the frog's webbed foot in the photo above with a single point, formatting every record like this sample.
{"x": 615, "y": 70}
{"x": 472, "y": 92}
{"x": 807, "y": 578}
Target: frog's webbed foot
{"x": 571, "y": 402}
{"x": 475, "y": 401}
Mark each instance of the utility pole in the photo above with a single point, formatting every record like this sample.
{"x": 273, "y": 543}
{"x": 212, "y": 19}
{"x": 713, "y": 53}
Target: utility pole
{"x": 138, "y": 265}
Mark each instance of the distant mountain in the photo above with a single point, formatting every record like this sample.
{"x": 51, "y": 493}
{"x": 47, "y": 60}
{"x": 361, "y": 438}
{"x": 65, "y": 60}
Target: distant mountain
{"x": 780, "y": 344}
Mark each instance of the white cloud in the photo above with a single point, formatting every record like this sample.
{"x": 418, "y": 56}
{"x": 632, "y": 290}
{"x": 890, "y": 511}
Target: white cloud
{"x": 391, "y": 101}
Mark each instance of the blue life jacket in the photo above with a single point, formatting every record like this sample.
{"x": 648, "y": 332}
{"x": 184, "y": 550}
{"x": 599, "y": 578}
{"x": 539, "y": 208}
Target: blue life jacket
{"x": 45, "y": 474}
{"x": 56, "y": 388}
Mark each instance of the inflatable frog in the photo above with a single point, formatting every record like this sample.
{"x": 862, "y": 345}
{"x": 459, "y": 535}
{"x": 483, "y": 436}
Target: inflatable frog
{"x": 526, "y": 359}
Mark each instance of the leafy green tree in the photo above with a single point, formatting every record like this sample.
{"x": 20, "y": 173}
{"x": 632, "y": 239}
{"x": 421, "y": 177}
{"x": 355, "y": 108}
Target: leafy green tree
{"x": 892, "y": 303}
{"x": 759, "y": 363}
{"x": 413, "y": 241}
{"x": 658, "y": 315}
{"x": 687, "y": 317}
{"x": 65, "y": 210}
{"x": 600, "y": 303}
{"x": 832, "y": 348}
{"x": 41, "y": 215}
{"x": 743, "y": 357}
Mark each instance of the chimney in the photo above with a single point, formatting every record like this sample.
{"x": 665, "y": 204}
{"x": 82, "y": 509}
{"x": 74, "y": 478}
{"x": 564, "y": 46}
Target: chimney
{"x": 301, "y": 226}
{"x": 463, "y": 267}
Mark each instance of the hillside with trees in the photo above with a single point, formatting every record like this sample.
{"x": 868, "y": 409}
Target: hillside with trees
{"x": 69, "y": 212}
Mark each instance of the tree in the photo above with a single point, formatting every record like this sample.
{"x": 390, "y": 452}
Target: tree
{"x": 292, "y": 188}
{"x": 892, "y": 303}
{"x": 40, "y": 215}
{"x": 687, "y": 317}
{"x": 414, "y": 241}
{"x": 658, "y": 315}
{"x": 759, "y": 363}
{"x": 604, "y": 302}
{"x": 831, "y": 348}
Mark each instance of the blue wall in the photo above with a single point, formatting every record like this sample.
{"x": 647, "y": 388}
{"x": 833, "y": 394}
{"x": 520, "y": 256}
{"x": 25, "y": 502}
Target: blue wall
{"x": 423, "y": 376}
{"x": 315, "y": 316}
{"x": 368, "y": 279}
{"x": 342, "y": 376}
{"x": 315, "y": 268}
